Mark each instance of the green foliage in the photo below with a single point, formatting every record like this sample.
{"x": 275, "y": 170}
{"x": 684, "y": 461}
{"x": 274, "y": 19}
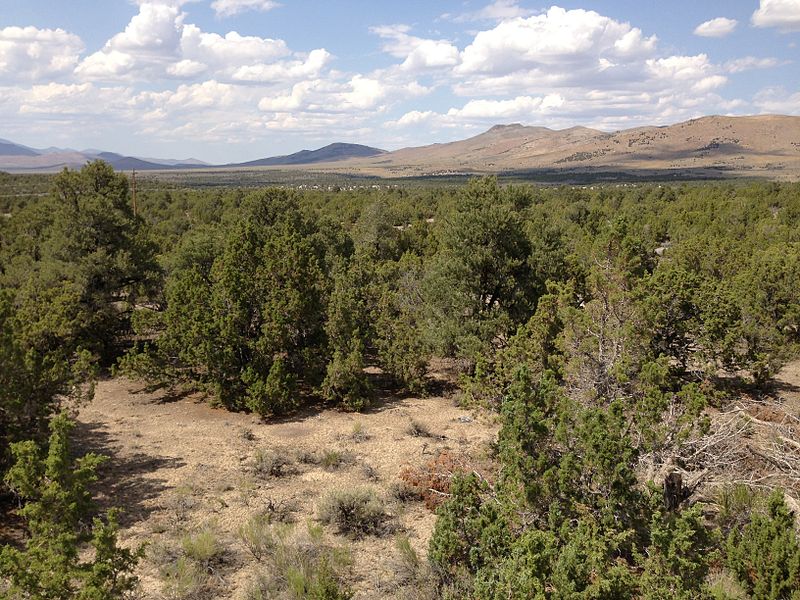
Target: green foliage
{"x": 765, "y": 554}
{"x": 469, "y": 534}
{"x": 678, "y": 558}
{"x": 401, "y": 342}
{"x": 345, "y": 382}
{"x": 37, "y": 371}
{"x": 245, "y": 317}
{"x": 301, "y": 566}
{"x": 72, "y": 267}
{"x": 83, "y": 236}
{"x": 55, "y": 490}
{"x": 257, "y": 537}
{"x": 479, "y": 283}
{"x": 183, "y": 579}
{"x": 600, "y": 324}
{"x": 202, "y": 547}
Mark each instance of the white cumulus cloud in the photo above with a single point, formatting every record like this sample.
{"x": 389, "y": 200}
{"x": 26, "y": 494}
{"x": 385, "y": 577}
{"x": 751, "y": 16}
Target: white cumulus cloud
{"x": 29, "y": 53}
{"x": 558, "y": 38}
{"x": 158, "y": 44}
{"x": 783, "y": 14}
{"x": 719, "y": 27}
{"x": 417, "y": 53}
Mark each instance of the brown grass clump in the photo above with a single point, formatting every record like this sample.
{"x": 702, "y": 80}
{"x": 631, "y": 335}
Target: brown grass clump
{"x": 431, "y": 481}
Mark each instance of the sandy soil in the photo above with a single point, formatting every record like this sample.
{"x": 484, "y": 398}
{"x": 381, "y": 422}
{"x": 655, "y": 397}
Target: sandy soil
{"x": 178, "y": 465}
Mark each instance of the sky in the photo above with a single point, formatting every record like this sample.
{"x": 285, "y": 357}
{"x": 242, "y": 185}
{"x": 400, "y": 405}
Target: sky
{"x": 234, "y": 80}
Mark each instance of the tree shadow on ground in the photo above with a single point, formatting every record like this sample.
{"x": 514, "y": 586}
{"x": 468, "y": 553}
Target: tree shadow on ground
{"x": 778, "y": 387}
{"x": 737, "y": 385}
{"x": 122, "y": 482}
{"x": 171, "y": 394}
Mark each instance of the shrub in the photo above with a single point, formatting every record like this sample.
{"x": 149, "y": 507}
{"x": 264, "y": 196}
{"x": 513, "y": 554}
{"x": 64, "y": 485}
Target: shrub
{"x": 203, "y": 548}
{"x": 431, "y": 482}
{"x": 402, "y": 491}
{"x": 736, "y": 505}
{"x": 678, "y": 558}
{"x": 274, "y": 395}
{"x": 355, "y": 512}
{"x": 370, "y": 473}
{"x": 333, "y": 459}
{"x": 345, "y": 382}
{"x": 301, "y": 567}
{"x": 57, "y": 503}
{"x": 469, "y": 530}
{"x": 418, "y": 429}
{"x": 183, "y": 579}
{"x": 409, "y": 563}
{"x": 256, "y": 536}
{"x": 765, "y": 554}
{"x": 268, "y": 463}
{"x": 357, "y": 434}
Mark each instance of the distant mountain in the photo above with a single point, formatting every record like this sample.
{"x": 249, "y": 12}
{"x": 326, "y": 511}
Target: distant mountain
{"x": 330, "y": 153}
{"x": 759, "y": 146}
{"x": 19, "y": 158}
{"x": 8, "y": 148}
{"x": 173, "y": 162}
{"x": 713, "y": 146}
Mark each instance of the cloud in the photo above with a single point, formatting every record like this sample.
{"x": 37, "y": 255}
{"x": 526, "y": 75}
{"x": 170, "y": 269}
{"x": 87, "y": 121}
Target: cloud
{"x": 783, "y": 14}
{"x": 284, "y": 71}
{"x": 32, "y": 54}
{"x": 229, "y": 8}
{"x": 417, "y": 53}
{"x": 159, "y": 44}
{"x": 414, "y": 117}
{"x": 499, "y": 10}
{"x": 681, "y": 68}
{"x": 514, "y": 108}
{"x": 719, "y": 27}
{"x": 65, "y": 110}
{"x": 558, "y": 39}
{"x": 564, "y": 67}
{"x": 748, "y": 63}
{"x": 230, "y": 51}
{"x": 778, "y": 100}
{"x": 327, "y": 96}
{"x": 152, "y": 37}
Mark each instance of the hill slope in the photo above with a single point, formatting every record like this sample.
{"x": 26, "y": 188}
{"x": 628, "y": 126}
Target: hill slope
{"x": 14, "y": 157}
{"x": 329, "y": 153}
{"x": 8, "y": 148}
{"x": 768, "y": 145}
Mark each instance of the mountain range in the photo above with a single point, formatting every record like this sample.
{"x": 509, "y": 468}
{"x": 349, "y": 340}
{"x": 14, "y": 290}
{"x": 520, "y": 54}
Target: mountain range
{"x": 18, "y": 158}
{"x": 764, "y": 145}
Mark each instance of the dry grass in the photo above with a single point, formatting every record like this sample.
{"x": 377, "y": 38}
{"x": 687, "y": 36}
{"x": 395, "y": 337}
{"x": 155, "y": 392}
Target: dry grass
{"x": 180, "y": 465}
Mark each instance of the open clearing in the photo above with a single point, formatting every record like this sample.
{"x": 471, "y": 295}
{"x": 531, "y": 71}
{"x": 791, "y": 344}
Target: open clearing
{"x": 179, "y": 466}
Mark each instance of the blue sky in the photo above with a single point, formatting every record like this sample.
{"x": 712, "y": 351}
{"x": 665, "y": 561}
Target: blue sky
{"x": 230, "y": 80}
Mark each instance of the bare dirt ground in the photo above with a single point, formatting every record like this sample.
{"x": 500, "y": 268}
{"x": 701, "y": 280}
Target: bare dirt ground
{"x": 178, "y": 466}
